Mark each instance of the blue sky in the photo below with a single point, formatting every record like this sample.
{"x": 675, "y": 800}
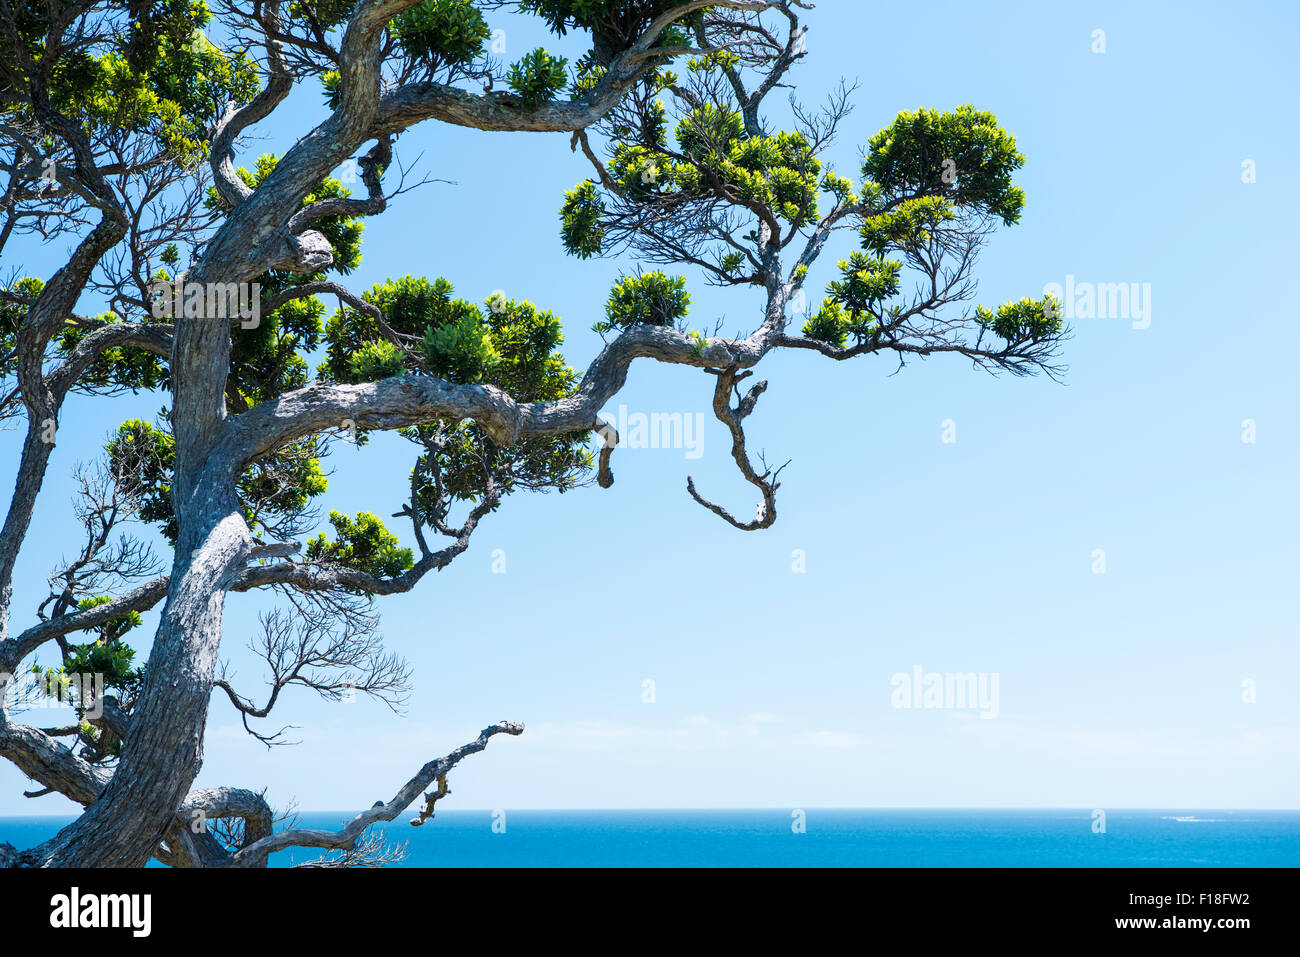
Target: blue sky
{"x": 773, "y": 688}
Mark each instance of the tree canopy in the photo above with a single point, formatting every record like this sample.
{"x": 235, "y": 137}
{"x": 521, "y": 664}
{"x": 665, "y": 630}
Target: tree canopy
{"x": 220, "y": 284}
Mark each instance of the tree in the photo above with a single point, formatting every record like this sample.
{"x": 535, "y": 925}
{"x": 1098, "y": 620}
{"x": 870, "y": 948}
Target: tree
{"x": 121, "y": 133}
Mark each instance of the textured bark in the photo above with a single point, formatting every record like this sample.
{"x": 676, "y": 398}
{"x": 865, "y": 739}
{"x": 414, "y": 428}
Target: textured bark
{"x": 42, "y": 759}
{"x": 44, "y": 318}
{"x": 165, "y": 747}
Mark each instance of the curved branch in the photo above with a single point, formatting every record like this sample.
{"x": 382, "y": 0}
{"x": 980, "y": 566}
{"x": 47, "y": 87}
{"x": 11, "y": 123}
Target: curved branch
{"x": 766, "y": 482}
{"x": 1018, "y": 358}
{"x": 326, "y": 577}
{"x": 278, "y": 84}
{"x": 503, "y": 111}
{"x": 414, "y": 400}
{"x": 44, "y": 760}
{"x": 372, "y": 166}
{"x": 343, "y": 293}
{"x": 256, "y": 853}
{"x": 248, "y": 806}
{"x": 142, "y": 598}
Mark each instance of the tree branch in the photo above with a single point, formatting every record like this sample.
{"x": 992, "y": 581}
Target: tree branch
{"x": 256, "y": 853}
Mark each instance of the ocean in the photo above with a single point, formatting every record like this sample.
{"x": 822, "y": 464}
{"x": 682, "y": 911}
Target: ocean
{"x": 815, "y": 838}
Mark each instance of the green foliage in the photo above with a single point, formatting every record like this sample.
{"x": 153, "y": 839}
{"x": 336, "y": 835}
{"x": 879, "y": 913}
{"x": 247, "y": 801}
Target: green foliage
{"x": 866, "y": 281}
{"x": 507, "y": 343}
{"x": 556, "y": 463}
{"x": 907, "y": 226}
{"x": 908, "y": 158}
{"x": 161, "y": 79}
{"x": 829, "y": 324}
{"x": 343, "y": 232}
{"x": 112, "y": 629}
{"x": 709, "y": 131}
{"x": 854, "y": 303}
{"x": 652, "y": 299}
{"x": 267, "y": 359}
{"x": 112, "y": 659}
{"x": 524, "y": 340}
{"x": 716, "y": 60}
{"x": 375, "y": 361}
{"x": 778, "y": 172}
{"x": 442, "y": 32}
{"x": 1026, "y": 319}
{"x": 637, "y": 170}
{"x": 107, "y": 655}
{"x": 12, "y": 317}
{"x": 839, "y": 187}
{"x": 107, "y": 659}
{"x": 328, "y": 13}
{"x": 109, "y": 370}
{"x": 653, "y": 128}
{"x": 411, "y": 305}
{"x": 587, "y": 74}
{"x": 461, "y": 351}
{"x": 144, "y": 456}
{"x": 580, "y": 228}
{"x": 365, "y": 544}
{"x": 715, "y": 158}
{"x": 332, "y": 82}
{"x": 277, "y": 487}
{"x": 280, "y": 486}
{"x": 537, "y": 77}
{"x": 615, "y": 23}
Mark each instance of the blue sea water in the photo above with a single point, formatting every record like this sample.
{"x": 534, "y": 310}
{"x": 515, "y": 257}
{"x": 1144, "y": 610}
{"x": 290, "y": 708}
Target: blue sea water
{"x": 832, "y": 838}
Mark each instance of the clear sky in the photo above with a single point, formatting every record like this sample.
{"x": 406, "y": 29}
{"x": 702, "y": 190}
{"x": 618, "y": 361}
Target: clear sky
{"x": 772, "y": 687}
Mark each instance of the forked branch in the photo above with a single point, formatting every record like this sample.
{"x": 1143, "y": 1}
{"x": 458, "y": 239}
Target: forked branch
{"x": 733, "y": 417}
{"x": 347, "y": 838}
